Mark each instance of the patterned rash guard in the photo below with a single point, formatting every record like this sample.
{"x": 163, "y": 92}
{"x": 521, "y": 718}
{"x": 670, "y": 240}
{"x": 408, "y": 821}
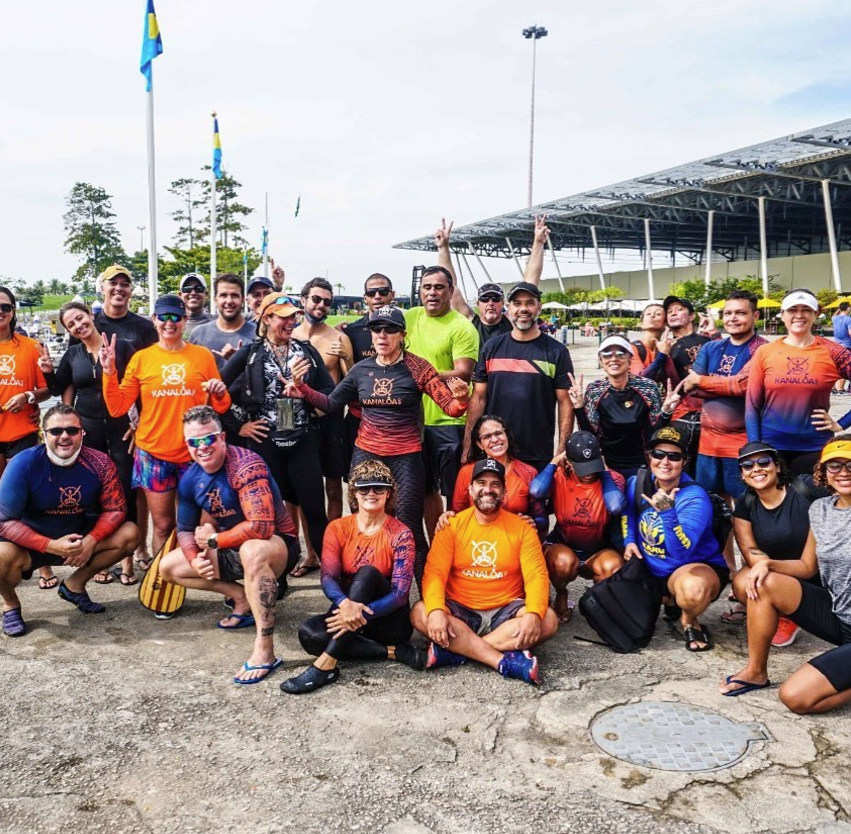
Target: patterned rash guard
{"x": 391, "y": 550}
{"x": 40, "y": 501}
{"x": 242, "y": 498}
{"x": 391, "y": 399}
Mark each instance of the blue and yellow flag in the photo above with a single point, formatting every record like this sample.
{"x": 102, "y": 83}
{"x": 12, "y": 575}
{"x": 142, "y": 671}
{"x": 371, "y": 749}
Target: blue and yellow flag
{"x": 217, "y": 150}
{"x": 264, "y": 246}
{"x": 152, "y": 43}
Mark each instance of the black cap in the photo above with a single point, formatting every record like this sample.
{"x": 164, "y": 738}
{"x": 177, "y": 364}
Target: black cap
{"x": 675, "y": 299}
{"x": 524, "y": 286}
{"x": 260, "y": 279}
{"x": 488, "y": 465}
{"x": 487, "y": 289}
{"x": 373, "y": 480}
{"x": 756, "y": 446}
{"x": 584, "y": 453}
{"x": 169, "y": 304}
{"x": 667, "y": 435}
{"x": 388, "y": 314}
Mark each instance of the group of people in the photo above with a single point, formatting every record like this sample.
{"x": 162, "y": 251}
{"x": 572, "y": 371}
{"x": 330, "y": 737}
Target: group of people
{"x": 454, "y": 428}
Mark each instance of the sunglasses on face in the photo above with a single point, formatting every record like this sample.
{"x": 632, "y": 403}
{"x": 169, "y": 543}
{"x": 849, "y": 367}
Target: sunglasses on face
{"x": 174, "y": 318}
{"x": 762, "y": 463}
{"x": 198, "y": 442}
{"x": 491, "y": 297}
{"x": 836, "y": 466}
{"x": 615, "y": 353}
{"x": 386, "y": 328}
{"x": 365, "y": 490}
{"x": 674, "y": 457}
{"x": 196, "y": 289}
{"x": 282, "y": 299}
{"x": 58, "y": 431}
{"x": 382, "y": 291}
{"x": 6, "y": 308}
{"x": 318, "y": 299}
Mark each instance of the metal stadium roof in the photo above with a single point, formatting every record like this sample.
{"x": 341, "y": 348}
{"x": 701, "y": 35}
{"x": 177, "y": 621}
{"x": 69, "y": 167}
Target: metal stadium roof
{"x": 788, "y": 172}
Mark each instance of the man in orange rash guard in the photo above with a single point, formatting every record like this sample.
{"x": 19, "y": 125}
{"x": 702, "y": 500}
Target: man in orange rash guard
{"x": 485, "y": 587}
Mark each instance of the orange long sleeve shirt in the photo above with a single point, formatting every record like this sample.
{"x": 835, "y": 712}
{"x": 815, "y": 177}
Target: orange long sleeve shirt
{"x": 169, "y": 384}
{"x": 485, "y": 566}
{"x": 19, "y": 373}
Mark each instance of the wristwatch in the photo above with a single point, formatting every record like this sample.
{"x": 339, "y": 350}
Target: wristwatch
{"x": 212, "y": 542}
{"x": 30, "y": 395}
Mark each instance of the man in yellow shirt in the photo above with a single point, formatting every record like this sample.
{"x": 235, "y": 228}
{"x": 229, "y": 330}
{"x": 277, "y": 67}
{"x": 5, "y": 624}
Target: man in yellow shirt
{"x": 485, "y": 587}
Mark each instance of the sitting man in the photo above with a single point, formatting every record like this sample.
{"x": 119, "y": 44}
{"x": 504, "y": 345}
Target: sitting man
{"x": 485, "y": 586}
{"x": 588, "y": 500}
{"x": 60, "y": 504}
{"x": 251, "y": 536}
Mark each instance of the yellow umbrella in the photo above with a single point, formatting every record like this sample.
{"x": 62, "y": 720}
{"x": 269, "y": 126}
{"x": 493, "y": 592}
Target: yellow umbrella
{"x": 716, "y": 305}
{"x": 763, "y": 303}
{"x": 837, "y": 302}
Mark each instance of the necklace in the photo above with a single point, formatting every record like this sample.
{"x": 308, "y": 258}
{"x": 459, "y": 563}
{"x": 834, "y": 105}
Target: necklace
{"x": 281, "y": 355}
{"x": 380, "y": 361}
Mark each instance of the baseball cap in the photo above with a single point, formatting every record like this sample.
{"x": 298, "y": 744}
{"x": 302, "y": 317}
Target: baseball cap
{"x": 584, "y": 453}
{"x": 615, "y": 341}
{"x": 193, "y": 278}
{"x": 795, "y": 297}
{"x": 675, "y": 299}
{"x": 488, "y": 465}
{"x": 667, "y": 435}
{"x": 836, "y": 449}
{"x": 260, "y": 279}
{"x": 388, "y": 314}
{"x": 113, "y": 271}
{"x": 523, "y": 286}
{"x": 278, "y": 304}
{"x": 373, "y": 480}
{"x": 487, "y": 289}
{"x": 755, "y": 447}
{"x": 169, "y": 304}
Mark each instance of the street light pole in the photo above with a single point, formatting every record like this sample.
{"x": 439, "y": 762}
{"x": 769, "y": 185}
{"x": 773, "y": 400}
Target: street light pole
{"x": 533, "y": 33}
{"x": 141, "y": 237}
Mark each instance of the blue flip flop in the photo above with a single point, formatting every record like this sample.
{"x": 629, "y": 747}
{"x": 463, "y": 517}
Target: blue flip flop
{"x": 245, "y": 621}
{"x": 744, "y": 687}
{"x": 269, "y": 667}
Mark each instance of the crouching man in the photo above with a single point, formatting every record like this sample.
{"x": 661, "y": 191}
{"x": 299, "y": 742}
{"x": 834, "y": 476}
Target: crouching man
{"x": 251, "y": 538}
{"x": 485, "y": 586}
{"x": 60, "y": 504}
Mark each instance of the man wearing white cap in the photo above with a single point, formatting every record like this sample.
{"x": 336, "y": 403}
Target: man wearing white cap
{"x": 193, "y": 291}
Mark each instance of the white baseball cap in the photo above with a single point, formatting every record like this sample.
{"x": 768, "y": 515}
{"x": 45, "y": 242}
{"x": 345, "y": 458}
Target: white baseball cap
{"x": 615, "y": 341}
{"x": 796, "y": 297}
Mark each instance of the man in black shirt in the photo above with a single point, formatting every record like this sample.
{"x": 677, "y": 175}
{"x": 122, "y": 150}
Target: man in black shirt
{"x": 523, "y": 377}
{"x": 116, "y": 318}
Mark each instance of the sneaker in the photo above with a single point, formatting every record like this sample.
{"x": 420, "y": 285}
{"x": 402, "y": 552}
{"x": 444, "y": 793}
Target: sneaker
{"x": 411, "y": 656}
{"x": 522, "y": 665}
{"x": 786, "y": 633}
{"x": 438, "y": 656}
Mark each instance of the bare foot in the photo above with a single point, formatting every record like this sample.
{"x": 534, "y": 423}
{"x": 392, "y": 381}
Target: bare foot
{"x": 563, "y": 606}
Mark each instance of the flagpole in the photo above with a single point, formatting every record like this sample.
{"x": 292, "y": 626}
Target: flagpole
{"x": 245, "y": 278}
{"x": 266, "y": 248}
{"x": 153, "y": 286}
{"x": 212, "y": 233}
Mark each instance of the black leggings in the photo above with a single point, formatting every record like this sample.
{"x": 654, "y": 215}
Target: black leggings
{"x": 298, "y": 474}
{"x": 369, "y": 642}
{"x": 107, "y": 436}
{"x": 800, "y": 463}
{"x": 409, "y": 474}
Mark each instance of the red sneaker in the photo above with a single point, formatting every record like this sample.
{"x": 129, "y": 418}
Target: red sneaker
{"x": 786, "y": 633}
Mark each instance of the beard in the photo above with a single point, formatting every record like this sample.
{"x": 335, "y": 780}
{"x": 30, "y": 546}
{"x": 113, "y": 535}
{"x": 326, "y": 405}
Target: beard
{"x": 487, "y": 502}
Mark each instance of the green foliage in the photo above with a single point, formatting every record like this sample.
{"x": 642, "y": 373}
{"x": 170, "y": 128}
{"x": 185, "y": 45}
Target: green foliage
{"x": 190, "y": 192}
{"x": 826, "y": 297}
{"x": 229, "y": 212}
{"x": 90, "y": 230}
{"x": 574, "y": 295}
{"x": 198, "y": 260}
{"x": 702, "y": 295}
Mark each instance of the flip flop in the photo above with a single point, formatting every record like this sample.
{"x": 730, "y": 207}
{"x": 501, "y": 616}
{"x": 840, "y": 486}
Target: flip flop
{"x": 744, "y": 686}
{"x": 302, "y": 570}
{"x": 268, "y": 667}
{"x": 103, "y": 578}
{"x": 735, "y": 615}
{"x": 13, "y": 623}
{"x": 697, "y": 635}
{"x": 128, "y": 578}
{"x": 244, "y": 621}
{"x": 144, "y": 564}
{"x": 47, "y": 583}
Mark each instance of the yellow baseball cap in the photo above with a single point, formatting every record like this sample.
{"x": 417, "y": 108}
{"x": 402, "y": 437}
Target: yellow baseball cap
{"x": 836, "y": 449}
{"x": 113, "y": 271}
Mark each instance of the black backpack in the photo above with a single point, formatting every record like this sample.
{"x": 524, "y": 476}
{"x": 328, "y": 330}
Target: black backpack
{"x": 623, "y": 608}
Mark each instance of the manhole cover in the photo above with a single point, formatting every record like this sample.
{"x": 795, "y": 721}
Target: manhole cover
{"x": 670, "y": 736}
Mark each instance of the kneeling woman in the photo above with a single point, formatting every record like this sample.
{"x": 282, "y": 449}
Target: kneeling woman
{"x": 669, "y": 525}
{"x": 367, "y": 568}
{"x": 778, "y": 587}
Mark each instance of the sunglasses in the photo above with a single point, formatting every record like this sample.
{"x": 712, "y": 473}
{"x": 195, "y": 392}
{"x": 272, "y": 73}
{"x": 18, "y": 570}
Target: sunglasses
{"x": 58, "y": 431}
{"x": 198, "y": 442}
{"x": 318, "y": 299}
{"x": 490, "y": 297}
{"x": 6, "y": 308}
{"x": 282, "y": 299}
{"x": 836, "y": 466}
{"x": 674, "y": 457}
{"x": 194, "y": 289}
{"x": 386, "y": 328}
{"x": 618, "y": 353}
{"x": 365, "y": 490}
{"x": 174, "y": 318}
{"x": 382, "y": 291}
{"x": 762, "y": 463}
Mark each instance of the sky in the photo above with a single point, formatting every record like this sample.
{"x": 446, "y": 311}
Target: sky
{"x": 386, "y": 116}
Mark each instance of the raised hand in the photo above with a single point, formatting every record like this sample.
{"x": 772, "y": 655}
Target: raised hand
{"x": 44, "y": 362}
{"x": 542, "y": 231}
{"x": 299, "y": 370}
{"x": 666, "y": 343}
{"x": 662, "y": 500}
{"x": 214, "y": 387}
{"x": 441, "y": 236}
{"x": 336, "y": 348}
{"x": 107, "y": 354}
{"x": 576, "y": 392}
{"x": 459, "y": 388}
{"x": 673, "y": 397}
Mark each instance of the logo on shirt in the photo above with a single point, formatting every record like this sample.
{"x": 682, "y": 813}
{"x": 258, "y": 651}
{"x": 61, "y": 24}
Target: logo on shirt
{"x": 652, "y": 534}
{"x": 582, "y": 509}
{"x": 484, "y": 556}
{"x": 725, "y": 366}
{"x": 796, "y": 366}
{"x": 217, "y": 507}
{"x": 7, "y": 365}
{"x": 69, "y": 497}
{"x": 692, "y": 354}
{"x": 382, "y": 387}
{"x": 174, "y": 374}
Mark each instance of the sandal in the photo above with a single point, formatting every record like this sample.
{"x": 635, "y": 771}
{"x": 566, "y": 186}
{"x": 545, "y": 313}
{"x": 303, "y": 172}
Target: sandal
{"x": 737, "y": 613}
{"x": 47, "y": 583}
{"x": 144, "y": 564}
{"x": 81, "y": 599}
{"x": 128, "y": 578}
{"x": 309, "y": 680}
{"x": 103, "y": 578}
{"x": 302, "y": 570}
{"x": 697, "y": 634}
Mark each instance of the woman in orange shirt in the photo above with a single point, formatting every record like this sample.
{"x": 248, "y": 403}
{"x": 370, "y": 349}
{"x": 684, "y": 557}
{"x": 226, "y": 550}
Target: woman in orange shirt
{"x": 652, "y": 328}
{"x": 367, "y": 568}
{"x": 169, "y": 377}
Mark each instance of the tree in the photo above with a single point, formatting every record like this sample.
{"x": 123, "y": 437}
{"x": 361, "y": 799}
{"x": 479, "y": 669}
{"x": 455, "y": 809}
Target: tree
{"x": 198, "y": 260}
{"x": 56, "y": 287}
{"x": 90, "y": 230}
{"x": 192, "y": 198}
{"x": 228, "y": 211}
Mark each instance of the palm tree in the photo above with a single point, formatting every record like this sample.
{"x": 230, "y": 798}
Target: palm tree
{"x": 339, "y": 287}
{"x": 55, "y": 287}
